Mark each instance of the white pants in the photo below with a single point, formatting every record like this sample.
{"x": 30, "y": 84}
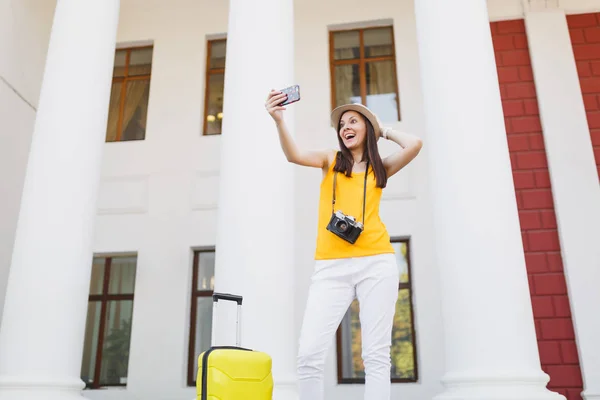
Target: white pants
{"x": 373, "y": 280}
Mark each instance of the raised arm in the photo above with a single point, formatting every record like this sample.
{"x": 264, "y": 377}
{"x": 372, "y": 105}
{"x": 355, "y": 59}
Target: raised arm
{"x": 308, "y": 158}
{"x": 410, "y": 148}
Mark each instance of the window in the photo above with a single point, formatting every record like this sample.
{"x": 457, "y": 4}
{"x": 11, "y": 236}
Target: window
{"x": 128, "y": 109}
{"x": 404, "y": 354}
{"x": 215, "y": 80}
{"x": 203, "y": 281}
{"x": 108, "y": 326}
{"x": 363, "y": 70}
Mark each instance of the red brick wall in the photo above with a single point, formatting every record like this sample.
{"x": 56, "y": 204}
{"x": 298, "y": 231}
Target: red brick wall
{"x": 585, "y": 37}
{"x": 536, "y": 210}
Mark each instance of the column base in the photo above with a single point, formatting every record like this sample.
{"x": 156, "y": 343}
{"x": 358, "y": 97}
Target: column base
{"x": 40, "y": 388}
{"x": 589, "y": 395}
{"x": 285, "y": 389}
{"x": 477, "y": 386}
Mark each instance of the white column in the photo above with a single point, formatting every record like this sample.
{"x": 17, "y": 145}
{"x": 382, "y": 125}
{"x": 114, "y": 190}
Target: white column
{"x": 574, "y": 178}
{"x": 490, "y": 342}
{"x": 255, "y": 229}
{"x": 42, "y": 331}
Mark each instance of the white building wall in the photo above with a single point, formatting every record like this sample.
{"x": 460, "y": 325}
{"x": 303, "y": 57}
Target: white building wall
{"x": 24, "y": 33}
{"x": 158, "y": 195}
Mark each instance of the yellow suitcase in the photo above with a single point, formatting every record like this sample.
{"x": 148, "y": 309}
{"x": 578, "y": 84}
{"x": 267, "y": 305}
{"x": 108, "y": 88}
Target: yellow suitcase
{"x": 233, "y": 372}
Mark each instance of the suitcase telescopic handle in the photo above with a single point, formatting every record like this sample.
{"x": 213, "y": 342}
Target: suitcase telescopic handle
{"x": 238, "y": 299}
{"x": 229, "y": 297}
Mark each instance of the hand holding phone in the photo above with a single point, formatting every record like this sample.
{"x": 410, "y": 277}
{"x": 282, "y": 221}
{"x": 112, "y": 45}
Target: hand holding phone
{"x": 292, "y": 93}
{"x": 276, "y": 100}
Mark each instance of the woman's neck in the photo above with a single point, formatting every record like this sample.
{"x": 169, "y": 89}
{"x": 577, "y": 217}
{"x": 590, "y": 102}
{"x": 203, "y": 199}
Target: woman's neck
{"x": 357, "y": 156}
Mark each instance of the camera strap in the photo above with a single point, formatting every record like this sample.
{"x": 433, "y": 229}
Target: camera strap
{"x": 364, "y": 193}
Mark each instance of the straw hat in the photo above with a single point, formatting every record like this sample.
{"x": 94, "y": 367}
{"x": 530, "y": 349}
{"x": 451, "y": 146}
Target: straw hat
{"x": 336, "y": 114}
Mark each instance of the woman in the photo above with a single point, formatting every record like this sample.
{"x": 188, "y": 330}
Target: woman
{"x": 347, "y": 267}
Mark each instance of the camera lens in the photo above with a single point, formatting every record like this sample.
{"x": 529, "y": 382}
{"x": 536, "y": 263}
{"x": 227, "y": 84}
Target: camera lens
{"x": 342, "y": 226}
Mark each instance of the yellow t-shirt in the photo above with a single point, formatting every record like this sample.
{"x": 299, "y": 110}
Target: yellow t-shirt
{"x": 349, "y": 199}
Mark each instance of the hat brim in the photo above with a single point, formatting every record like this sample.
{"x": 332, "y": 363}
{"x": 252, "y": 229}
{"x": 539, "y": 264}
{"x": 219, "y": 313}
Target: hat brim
{"x": 337, "y": 113}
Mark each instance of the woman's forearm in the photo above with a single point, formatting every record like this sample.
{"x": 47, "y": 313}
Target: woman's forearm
{"x": 403, "y": 139}
{"x": 288, "y": 145}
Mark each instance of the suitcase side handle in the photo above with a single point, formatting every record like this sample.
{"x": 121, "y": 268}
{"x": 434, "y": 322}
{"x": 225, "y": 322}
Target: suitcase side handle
{"x": 226, "y": 296}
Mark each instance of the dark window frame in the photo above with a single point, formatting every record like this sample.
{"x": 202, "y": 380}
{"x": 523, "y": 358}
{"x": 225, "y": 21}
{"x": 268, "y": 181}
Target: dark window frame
{"x": 407, "y": 285}
{"x": 195, "y": 294}
{"x": 210, "y": 71}
{"x": 123, "y": 80}
{"x": 104, "y": 299}
{"x": 362, "y": 62}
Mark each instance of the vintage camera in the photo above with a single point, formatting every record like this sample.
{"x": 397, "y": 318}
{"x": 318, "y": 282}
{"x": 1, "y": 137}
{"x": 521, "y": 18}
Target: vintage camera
{"x": 345, "y": 226}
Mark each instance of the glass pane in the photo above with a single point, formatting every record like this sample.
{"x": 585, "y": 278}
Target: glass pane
{"x": 122, "y": 275}
{"x": 203, "y": 327}
{"x": 403, "y": 362}
{"x": 352, "y": 363}
{"x": 378, "y": 42}
{"x": 115, "y": 352}
{"x": 347, "y": 84}
{"x": 135, "y": 111}
{"x": 346, "y": 45}
{"x": 381, "y": 90}
{"x": 401, "y": 258}
{"x": 90, "y": 345}
{"x": 402, "y": 341}
{"x": 217, "y": 53}
{"x": 206, "y": 271}
{"x": 97, "y": 280}
{"x": 214, "y": 109}
{"x": 119, "y": 66}
{"x": 140, "y": 62}
{"x": 113, "y": 112}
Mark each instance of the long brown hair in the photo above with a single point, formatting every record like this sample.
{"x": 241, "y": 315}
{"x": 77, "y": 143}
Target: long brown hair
{"x": 344, "y": 160}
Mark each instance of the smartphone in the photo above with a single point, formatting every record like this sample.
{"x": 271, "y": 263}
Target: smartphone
{"x": 293, "y": 95}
